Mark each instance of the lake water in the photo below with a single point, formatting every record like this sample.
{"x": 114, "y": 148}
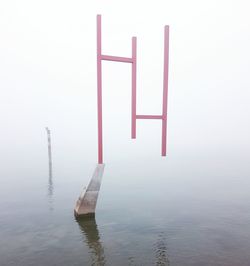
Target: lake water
{"x": 180, "y": 210}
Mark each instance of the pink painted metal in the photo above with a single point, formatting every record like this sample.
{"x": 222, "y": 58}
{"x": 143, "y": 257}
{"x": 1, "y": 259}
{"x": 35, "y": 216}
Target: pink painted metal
{"x": 133, "y": 100}
{"x": 101, "y": 57}
{"x": 99, "y": 88}
{"x": 117, "y": 58}
{"x": 148, "y": 116}
{"x": 133, "y": 61}
{"x": 165, "y": 92}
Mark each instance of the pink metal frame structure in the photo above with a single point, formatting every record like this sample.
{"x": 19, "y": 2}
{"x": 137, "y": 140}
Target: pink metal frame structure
{"x": 134, "y": 116}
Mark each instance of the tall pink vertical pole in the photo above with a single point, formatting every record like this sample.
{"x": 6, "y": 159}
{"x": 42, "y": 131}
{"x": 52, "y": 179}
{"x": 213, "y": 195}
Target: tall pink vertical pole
{"x": 165, "y": 92}
{"x": 133, "y": 111}
{"x": 99, "y": 88}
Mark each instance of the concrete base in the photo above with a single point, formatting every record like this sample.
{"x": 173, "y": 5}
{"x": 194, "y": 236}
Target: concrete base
{"x": 86, "y": 203}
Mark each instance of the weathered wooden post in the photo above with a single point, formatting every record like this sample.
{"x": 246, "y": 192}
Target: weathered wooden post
{"x": 50, "y": 183}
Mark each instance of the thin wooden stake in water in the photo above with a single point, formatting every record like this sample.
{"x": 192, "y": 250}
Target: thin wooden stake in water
{"x": 49, "y": 153}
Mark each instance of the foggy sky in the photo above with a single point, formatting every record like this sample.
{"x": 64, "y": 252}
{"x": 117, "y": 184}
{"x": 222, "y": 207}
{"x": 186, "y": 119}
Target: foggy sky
{"x": 48, "y": 77}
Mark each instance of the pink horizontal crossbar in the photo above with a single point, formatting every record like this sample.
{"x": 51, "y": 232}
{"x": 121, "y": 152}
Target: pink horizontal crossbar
{"x": 149, "y": 117}
{"x": 117, "y": 58}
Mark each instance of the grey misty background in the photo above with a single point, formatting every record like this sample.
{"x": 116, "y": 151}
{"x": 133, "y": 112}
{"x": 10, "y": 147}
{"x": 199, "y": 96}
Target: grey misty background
{"x": 48, "y": 78}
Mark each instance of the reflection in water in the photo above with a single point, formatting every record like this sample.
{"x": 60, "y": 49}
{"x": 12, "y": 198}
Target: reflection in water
{"x": 89, "y": 229}
{"x": 50, "y": 180}
{"x": 50, "y": 184}
{"x": 161, "y": 251}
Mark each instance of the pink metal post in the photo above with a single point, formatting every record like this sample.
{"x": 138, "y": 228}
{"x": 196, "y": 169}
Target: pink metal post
{"x": 99, "y": 88}
{"x": 133, "y": 111}
{"x": 165, "y": 92}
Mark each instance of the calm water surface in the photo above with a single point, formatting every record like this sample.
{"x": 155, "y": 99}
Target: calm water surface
{"x": 183, "y": 210}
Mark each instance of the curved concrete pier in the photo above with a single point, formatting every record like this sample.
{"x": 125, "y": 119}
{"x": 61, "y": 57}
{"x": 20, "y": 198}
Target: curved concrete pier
{"x": 86, "y": 203}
